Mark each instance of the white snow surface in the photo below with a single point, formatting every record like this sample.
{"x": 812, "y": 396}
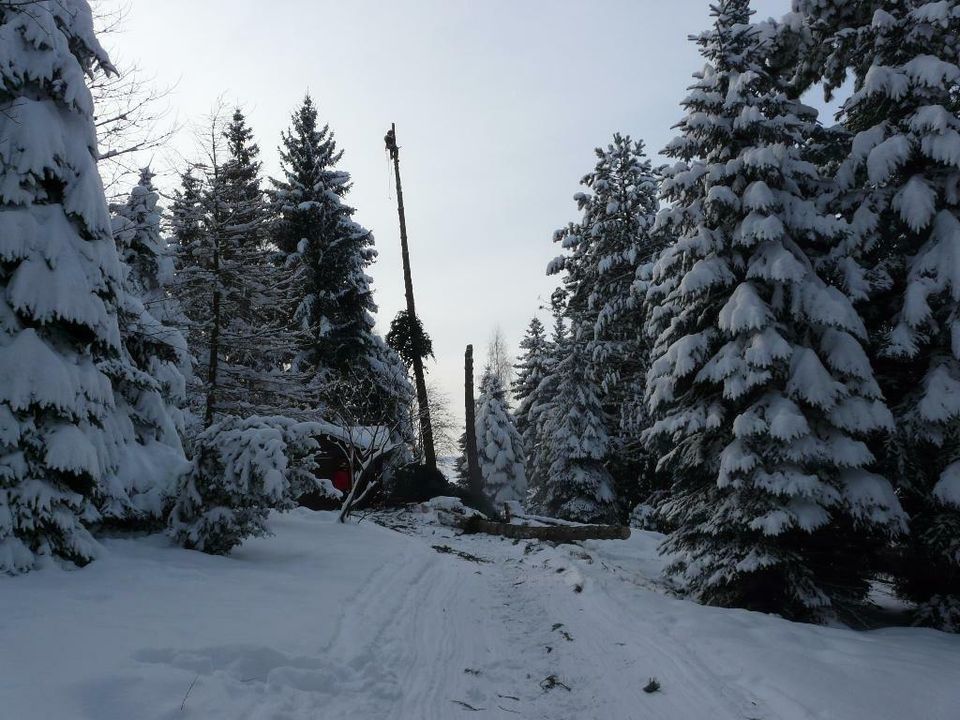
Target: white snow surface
{"x": 360, "y": 621}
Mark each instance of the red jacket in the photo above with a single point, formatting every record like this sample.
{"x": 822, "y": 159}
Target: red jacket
{"x": 341, "y": 480}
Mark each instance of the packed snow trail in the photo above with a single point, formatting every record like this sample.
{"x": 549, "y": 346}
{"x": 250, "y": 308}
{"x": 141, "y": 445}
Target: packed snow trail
{"x": 366, "y": 622}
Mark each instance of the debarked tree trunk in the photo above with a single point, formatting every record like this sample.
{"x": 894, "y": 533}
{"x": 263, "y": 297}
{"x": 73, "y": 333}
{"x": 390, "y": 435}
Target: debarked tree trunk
{"x": 555, "y": 533}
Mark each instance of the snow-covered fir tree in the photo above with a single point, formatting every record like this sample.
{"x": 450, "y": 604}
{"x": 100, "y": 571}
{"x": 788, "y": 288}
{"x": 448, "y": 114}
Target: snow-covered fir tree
{"x": 609, "y": 249}
{"x": 332, "y": 298}
{"x": 198, "y": 282}
{"x": 192, "y": 285}
{"x": 499, "y": 447}
{"x": 567, "y": 435}
{"x": 898, "y": 186}
{"x": 60, "y": 280}
{"x": 233, "y": 290}
{"x": 529, "y": 371}
{"x": 762, "y": 394}
{"x": 186, "y": 221}
{"x": 148, "y": 256}
{"x": 538, "y": 403}
{"x": 252, "y": 340}
{"x": 574, "y": 444}
{"x": 150, "y": 383}
{"x": 307, "y": 153}
{"x": 606, "y": 249}
{"x": 394, "y": 398}
{"x": 242, "y": 469}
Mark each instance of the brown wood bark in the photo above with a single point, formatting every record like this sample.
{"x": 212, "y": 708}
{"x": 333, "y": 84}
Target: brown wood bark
{"x": 555, "y": 533}
{"x": 470, "y": 431}
{"x": 426, "y": 427}
{"x": 478, "y": 498}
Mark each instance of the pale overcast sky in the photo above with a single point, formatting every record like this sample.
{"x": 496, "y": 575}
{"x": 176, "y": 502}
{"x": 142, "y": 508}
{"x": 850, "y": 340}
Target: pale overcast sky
{"x": 498, "y": 105}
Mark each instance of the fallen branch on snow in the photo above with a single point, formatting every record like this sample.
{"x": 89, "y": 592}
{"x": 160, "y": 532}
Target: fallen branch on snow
{"x": 467, "y": 706}
{"x": 447, "y": 550}
{"x": 189, "y": 689}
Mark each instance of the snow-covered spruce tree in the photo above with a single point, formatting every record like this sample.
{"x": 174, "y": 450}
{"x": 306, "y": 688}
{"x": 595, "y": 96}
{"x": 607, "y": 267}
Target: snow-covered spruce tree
{"x": 308, "y": 152}
{"x": 577, "y": 485}
{"x": 500, "y": 449}
{"x": 193, "y": 283}
{"x": 150, "y": 383}
{"x": 761, "y": 392}
{"x": 538, "y": 404}
{"x": 899, "y": 187}
{"x": 819, "y": 38}
{"x": 253, "y": 340}
{"x": 567, "y": 433}
{"x": 529, "y": 370}
{"x": 243, "y": 469}
{"x": 154, "y": 256}
{"x": 332, "y": 299}
{"x": 231, "y": 287}
{"x": 609, "y": 248}
{"x": 59, "y": 284}
{"x": 394, "y": 398}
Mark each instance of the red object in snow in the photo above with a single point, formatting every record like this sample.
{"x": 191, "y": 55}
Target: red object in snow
{"x": 341, "y": 479}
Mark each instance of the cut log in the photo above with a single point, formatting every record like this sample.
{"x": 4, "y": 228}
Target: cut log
{"x": 546, "y": 520}
{"x": 555, "y": 533}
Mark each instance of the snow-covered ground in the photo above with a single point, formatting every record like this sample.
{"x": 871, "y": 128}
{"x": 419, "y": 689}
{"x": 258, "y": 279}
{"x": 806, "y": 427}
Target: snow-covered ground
{"x": 361, "y": 621}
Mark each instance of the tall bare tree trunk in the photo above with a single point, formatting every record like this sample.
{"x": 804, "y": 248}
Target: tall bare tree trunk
{"x": 426, "y": 428}
{"x": 470, "y": 410}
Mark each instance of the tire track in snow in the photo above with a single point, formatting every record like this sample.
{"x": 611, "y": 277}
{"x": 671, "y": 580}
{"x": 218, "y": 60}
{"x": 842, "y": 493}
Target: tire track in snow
{"x": 447, "y": 633}
{"x": 433, "y": 647}
{"x": 365, "y": 626}
{"x": 418, "y": 624}
{"x": 613, "y": 652}
{"x": 647, "y": 651}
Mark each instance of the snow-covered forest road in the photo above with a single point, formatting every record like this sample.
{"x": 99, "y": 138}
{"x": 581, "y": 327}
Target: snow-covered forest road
{"x": 363, "y": 621}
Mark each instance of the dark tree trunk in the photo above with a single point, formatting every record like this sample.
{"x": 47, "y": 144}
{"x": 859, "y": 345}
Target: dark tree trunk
{"x": 556, "y": 533}
{"x": 214, "y": 359}
{"x": 426, "y": 427}
{"x": 470, "y": 410}
{"x": 478, "y": 499}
